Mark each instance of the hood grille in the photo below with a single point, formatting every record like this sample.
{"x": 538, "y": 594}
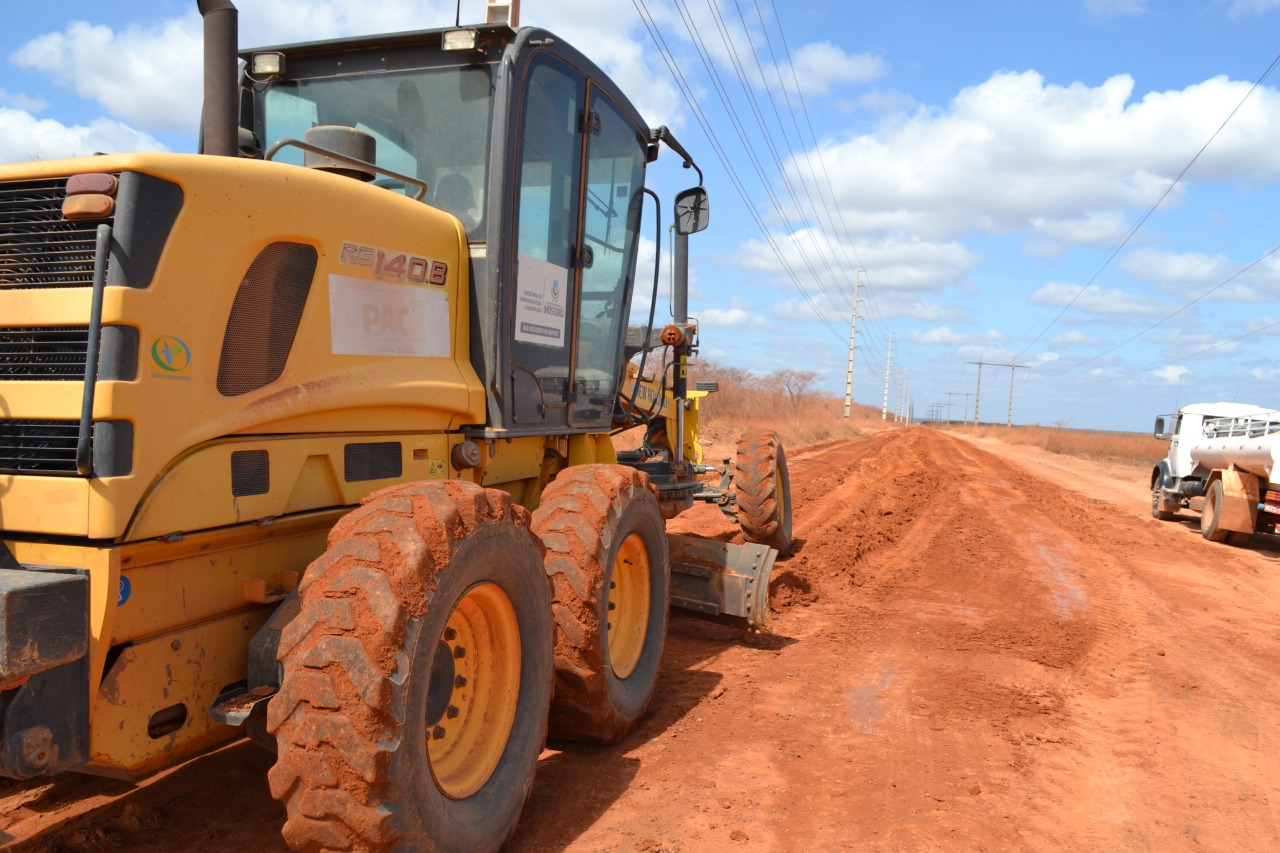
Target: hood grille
{"x": 36, "y": 353}
{"x": 38, "y": 447}
{"x": 38, "y": 248}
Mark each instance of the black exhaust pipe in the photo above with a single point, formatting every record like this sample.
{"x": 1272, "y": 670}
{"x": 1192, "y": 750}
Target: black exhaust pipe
{"x": 221, "y": 124}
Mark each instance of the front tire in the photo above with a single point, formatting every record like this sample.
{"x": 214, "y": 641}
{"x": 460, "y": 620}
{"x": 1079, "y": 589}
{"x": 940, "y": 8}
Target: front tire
{"x": 416, "y": 676}
{"x": 762, "y": 488}
{"x": 1160, "y": 506}
{"x": 607, "y": 558}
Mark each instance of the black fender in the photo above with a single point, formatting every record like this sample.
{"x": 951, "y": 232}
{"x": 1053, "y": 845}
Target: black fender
{"x": 1162, "y": 477}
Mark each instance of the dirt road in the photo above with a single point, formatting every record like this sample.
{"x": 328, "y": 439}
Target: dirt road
{"x": 968, "y": 656}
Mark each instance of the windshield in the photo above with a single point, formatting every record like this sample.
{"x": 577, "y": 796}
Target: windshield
{"x": 432, "y": 124}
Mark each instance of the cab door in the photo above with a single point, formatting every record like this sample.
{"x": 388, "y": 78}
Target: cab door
{"x": 611, "y": 209}
{"x": 579, "y": 186}
{"x": 544, "y": 292}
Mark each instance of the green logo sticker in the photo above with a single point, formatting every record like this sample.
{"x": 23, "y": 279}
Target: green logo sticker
{"x": 171, "y": 354}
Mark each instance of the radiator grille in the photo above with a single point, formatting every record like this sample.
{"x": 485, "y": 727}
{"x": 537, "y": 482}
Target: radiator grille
{"x": 38, "y": 446}
{"x": 38, "y": 248}
{"x": 37, "y": 353}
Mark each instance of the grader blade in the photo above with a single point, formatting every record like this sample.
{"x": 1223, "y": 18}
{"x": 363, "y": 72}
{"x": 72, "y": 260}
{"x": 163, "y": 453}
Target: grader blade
{"x": 722, "y": 579}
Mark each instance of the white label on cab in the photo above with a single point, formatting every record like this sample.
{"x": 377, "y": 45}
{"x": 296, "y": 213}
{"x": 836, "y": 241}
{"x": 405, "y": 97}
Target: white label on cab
{"x": 375, "y": 318}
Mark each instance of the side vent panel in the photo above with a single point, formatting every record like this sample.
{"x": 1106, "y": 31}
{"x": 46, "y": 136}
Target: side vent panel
{"x": 377, "y": 461}
{"x": 264, "y": 318}
{"x": 250, "y": 473}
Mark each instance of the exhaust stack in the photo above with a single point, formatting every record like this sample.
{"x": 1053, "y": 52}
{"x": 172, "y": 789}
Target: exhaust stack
{"x": 221, "y": 118}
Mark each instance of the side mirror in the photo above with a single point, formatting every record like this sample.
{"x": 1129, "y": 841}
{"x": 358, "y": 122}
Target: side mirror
{"x": 692, "y": 211}
{"x": 1160, "y": 428}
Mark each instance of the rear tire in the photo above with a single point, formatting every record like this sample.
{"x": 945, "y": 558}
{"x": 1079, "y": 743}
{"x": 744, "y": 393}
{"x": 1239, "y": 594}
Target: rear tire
{"x": 416, "y": 676}
{"x": 762, "y": 488}
{"x": 1211, "y": 515}
{"x": 607, "y": 558}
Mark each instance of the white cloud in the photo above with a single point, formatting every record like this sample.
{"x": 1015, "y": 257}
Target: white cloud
{"x": 944, "y": 336}
{"x": 1017, "y": 152}
{"x": 25, "y": 137}
{"x": 1244, "y": 8}
{"x": 1095, "y": 300}
{"x": 731, "y": 318}
{"x": 897, "y": 262}
{"x": 1105, "y": 9}
{"x": 1074, "y": 338}
{"x": 1162, "y": 265}
{"x": 19, "y": 101}
{"x": 1171, "y": 373}
{"x": 1102, "y": 229}
{"x": 148, "y": 75}
{"x": 822, "y": 66}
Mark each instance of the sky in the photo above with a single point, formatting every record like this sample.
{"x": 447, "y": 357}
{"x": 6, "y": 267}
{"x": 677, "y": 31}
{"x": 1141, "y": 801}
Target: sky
{"x": 1087, "y": 189}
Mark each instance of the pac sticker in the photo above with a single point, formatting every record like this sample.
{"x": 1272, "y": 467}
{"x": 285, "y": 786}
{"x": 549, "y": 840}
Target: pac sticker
{"x": 124, "y": 591}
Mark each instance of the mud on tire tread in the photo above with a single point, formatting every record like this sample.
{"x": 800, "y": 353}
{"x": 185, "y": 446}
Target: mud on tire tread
{"x": 584, "y": 515}
{"x": 351, "y": 769}
{"x": 760, "y": 473}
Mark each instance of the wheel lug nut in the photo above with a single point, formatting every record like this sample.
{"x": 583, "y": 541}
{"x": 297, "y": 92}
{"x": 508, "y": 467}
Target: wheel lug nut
{"x": 438, "y": 732}
{"x": 612, "y": 606}
{"x": 460, "y": 653}
{"x": 453, "y": 712}
{"x": 613, "y": 584}
{"x": 460, "y": 681}
{"x": 450, "y": 634}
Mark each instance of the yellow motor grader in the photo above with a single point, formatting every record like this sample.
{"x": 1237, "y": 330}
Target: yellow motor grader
{"x": 308, "y": 436}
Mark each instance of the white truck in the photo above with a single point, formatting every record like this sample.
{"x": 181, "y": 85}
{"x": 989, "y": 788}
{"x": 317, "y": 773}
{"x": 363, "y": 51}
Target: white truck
{"x": 1225, "y": 453}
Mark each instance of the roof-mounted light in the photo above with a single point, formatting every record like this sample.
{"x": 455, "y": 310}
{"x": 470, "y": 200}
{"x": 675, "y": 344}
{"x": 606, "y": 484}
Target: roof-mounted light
{"x": 460, "y": 40}
{"x": 268, "y": 64}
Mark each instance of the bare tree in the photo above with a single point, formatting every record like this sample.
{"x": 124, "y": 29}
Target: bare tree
{"x": 794, "y": 382}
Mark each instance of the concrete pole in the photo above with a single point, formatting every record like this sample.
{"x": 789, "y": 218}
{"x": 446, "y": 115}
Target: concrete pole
{"x": 853, "y": 329}
{"x": 884, "y": 406}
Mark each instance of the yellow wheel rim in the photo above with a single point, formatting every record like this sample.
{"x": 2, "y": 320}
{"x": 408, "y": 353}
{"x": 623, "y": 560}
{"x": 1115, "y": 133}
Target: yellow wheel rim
{"x": 473, "y": 691}
{"x": 628, "y": 605}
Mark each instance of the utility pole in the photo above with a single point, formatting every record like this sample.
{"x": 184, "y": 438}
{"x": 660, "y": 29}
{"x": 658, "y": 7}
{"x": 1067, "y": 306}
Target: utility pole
{"x": 1013, "y": 370}
{"x": 977, "y": 396}
{"x": 884, "y": 406}
{"x": 899, "y": 397}
{"x": 966, "y": 396}
{"x": 853, "y": 329}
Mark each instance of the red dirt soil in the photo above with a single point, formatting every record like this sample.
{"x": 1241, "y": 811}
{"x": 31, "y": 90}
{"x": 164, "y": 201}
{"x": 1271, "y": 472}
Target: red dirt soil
{"x": 977, "y": 648}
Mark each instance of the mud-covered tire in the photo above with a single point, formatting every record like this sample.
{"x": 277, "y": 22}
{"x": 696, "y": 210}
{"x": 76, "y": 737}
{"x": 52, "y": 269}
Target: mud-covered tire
{"x": 606, "y": 545}
{"x": 1211, "y": 515}
{"x": 416, "y": 676}
{"x": 762, "y": 490}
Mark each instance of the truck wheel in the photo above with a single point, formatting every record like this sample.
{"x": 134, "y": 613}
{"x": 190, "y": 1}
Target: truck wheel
{"x": 607, "y": 558}
{"x": 763, "y": 490}
{"x": 416, "y": 676}
{"x": 1158, "y": 506}
{"x": 1211, "y": 514}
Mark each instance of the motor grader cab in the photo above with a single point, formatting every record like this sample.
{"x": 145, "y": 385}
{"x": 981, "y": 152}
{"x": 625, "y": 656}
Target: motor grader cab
{"x": 309, "y": 436}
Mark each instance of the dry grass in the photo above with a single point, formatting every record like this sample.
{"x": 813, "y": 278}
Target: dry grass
{"x": 1126, "y": 448}
{"x": 745, "y": 402}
